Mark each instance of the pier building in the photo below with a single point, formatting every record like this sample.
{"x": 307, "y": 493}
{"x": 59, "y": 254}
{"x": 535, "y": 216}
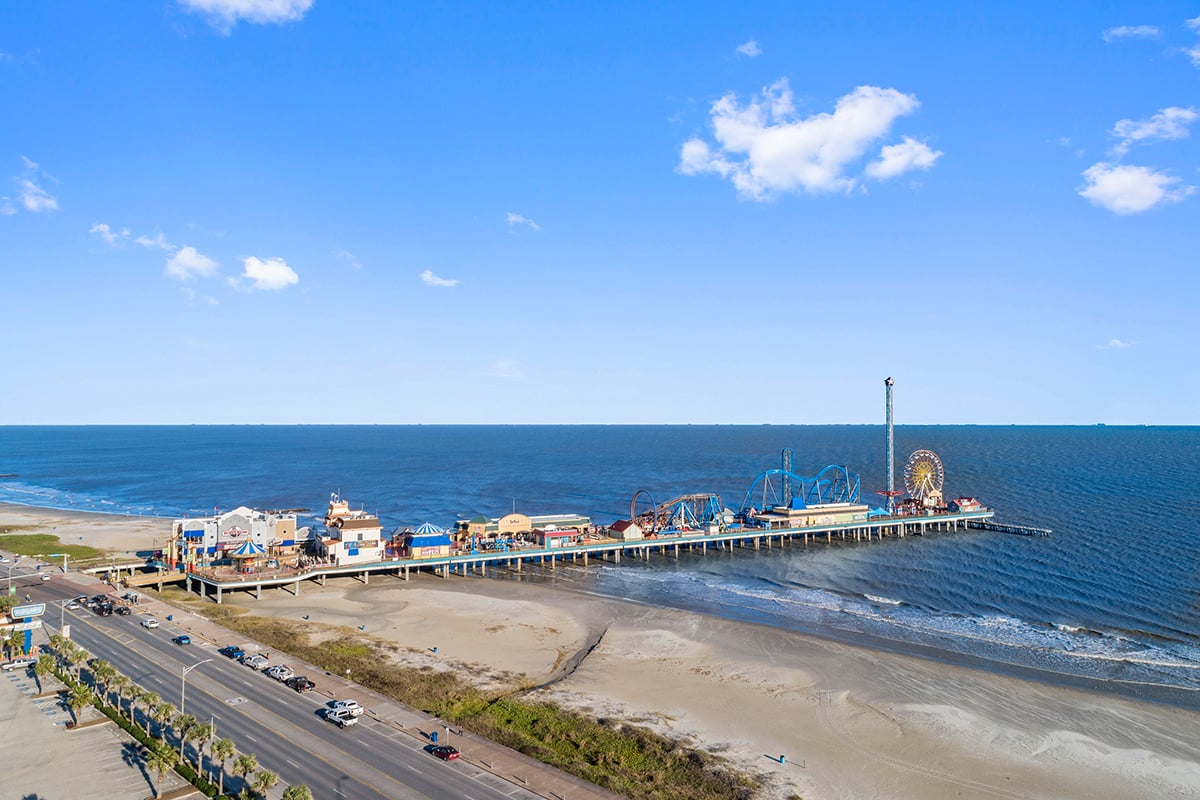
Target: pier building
{"x": 203, "y": 540}
{"x": 351, "y": 536}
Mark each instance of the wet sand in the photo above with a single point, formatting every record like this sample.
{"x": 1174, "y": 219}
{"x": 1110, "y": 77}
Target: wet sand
{"x": 850, "y": 722}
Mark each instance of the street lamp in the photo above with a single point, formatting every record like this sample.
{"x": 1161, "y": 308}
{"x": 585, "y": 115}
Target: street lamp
{"x": 183, "y": 680}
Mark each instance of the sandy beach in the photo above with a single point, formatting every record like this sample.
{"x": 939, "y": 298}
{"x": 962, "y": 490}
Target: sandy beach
{"x": 850, "y": 722}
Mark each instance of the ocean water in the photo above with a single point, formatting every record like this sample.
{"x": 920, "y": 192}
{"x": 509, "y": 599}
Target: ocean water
{"x": 1110, "y": 600}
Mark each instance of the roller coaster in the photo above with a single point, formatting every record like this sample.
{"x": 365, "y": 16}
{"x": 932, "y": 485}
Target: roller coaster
{"x": 689, "y": 512}
{"x": 834, "y": 484}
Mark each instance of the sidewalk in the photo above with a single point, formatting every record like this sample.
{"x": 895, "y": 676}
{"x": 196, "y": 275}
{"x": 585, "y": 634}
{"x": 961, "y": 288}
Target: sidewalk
{"x": 529, "y": 778}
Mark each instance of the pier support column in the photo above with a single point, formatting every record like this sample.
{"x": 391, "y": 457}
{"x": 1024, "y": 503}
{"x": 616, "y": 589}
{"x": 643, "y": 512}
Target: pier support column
{"x": 258, "y": 592}
{"x": 322, "y": 580}
{"x": 218, "y": 594}
{"x": 189, "y": 584}
{"x": 406, "y": 572}
{"x": 483, "y": 569}
{"x": 296, "y": 588}
{"x": 585, "y": 555}
{"x": 617, "y": 554}
{"x": 366, "y": 577}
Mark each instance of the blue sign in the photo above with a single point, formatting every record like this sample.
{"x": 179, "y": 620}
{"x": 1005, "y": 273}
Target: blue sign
{"x": 31, "y": 610}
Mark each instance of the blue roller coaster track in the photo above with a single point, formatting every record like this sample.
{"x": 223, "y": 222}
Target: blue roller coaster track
{"x": 834, "y": 484}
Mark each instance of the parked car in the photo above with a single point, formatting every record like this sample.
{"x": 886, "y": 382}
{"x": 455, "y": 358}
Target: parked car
{"x": 444, "y": 751}
{"x": 182, "y": 638}
{"x": 149, "y": 622}
{"x": 18, "y": 663}
{"x": 256, "y": 662}
{"x": 350, "y": 705}
{"x": 232, "y": 651}
{"x": 341, "y": 717}
{"x": 301, "y": 684}
{"x": 73, "y": 605}
{"x": 280, "y": 672}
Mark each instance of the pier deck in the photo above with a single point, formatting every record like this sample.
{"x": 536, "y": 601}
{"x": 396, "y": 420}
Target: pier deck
{"x": 212, "y": 583}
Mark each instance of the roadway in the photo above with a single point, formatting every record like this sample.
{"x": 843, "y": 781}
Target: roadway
{"x": 282, "y": 728}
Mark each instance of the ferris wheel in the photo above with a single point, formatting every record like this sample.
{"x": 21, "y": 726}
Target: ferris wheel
{"x": 923, "y": 477}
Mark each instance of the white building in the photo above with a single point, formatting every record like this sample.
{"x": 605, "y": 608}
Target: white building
{"x": 200, "y": 540}
{"x": 351, "y": 537}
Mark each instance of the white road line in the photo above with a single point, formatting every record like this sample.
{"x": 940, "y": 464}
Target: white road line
{"x": 293, "y": 763}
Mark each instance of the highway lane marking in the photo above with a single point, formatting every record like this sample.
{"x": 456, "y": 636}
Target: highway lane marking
{"x": 152, "y": 656}
{"x": 293, "y": 763}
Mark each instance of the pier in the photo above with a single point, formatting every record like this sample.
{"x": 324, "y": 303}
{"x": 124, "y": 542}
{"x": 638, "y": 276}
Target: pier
{"x": 216, "y": 582}
{"x": 1008, "y": 527}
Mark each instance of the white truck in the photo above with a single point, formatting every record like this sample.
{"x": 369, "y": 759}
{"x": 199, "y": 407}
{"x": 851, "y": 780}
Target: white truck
{"x": 342, "y": 717}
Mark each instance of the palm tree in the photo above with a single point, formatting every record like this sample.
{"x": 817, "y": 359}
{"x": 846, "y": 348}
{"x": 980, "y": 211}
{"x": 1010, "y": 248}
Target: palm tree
{"x": 162, "y": 714}
{"x": 43, "y": 667}
{"x": 183, "y": 725}
{"x": 297, "y": 792}
{"x": 148, "y": 699}
{"x": 80, "y": 698}
{"x": 243, "y": 765}
{"x": 120, "y": 684}
{"x": 264, "y": 779}
{"x": 220, "y": 751}
{"x": 12, "y": 641}
{"x": 76, "y": 657}
{"x": 198, "y": 733}
{"x": 160, "y": 759}
{"x": 102, "y": 673}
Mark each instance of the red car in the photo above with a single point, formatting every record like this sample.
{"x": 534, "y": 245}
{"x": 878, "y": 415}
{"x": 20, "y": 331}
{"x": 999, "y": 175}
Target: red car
{"x": 444, "y": 752}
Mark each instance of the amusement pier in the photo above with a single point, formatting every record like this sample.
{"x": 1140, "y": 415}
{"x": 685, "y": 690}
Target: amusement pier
{"x": 246, "y": 550}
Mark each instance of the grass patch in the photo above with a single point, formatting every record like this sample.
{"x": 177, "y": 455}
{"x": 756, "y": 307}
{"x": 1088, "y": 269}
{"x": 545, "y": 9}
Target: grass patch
{"x": 632, "y": 761}
{"x": 41, "y": 544}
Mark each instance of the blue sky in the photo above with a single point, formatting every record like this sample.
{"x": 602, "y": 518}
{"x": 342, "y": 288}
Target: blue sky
{"x": 284, "y": 211}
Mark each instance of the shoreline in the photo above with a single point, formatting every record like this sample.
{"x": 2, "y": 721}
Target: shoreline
{"x": 851, "y": 720}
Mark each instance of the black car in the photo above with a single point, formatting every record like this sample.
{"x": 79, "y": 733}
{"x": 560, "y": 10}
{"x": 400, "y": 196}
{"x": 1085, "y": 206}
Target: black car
{"x": 103, "y": 609}
{"x": 301, "y": 684}
{"x": 123, "y": 611}
{"x": 232, "y": 651}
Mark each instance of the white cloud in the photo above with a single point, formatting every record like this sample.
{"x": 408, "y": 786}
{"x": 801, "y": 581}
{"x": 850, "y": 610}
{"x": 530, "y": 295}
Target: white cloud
{"x": 30, "y": 191}
{"x": 516, "y": 219}
{"x": 7, "y": 209}
{"x": 1194, "y": 23}
{"x": 1130, "y": 190}
{"x": 1114, "y": 344}
{"x": 269, "y": 274}
{"x": 433, "y": 280}
{"x": 765, "y": 148}
{"x": 897, "y": 159}
{"x": 106, "y": 233}
{"x": 224, "y": 14}
{"x": 34, "y": 197}
{"x": 187, "y": 264}
{"x": 750, "y": 49}
{"x": 1194, "y": 54}
{"x": 506, "y": 368}
{"x": 1132, "y": 32}
{"x": 1170, "y": 123}
{"x": 158, "y": 241}
{"x": 346, "y": 257}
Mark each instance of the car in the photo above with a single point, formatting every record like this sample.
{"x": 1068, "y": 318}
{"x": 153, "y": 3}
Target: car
{"x": 123, "y": 611}
{"x": 341, "y": 717}
{"x": 103, "y": 609}
{"x": 232, "y": 651}
{"x": 280, "y": 672}
{"x": 44, "y": 576}
{"x": 256, "y": 662}
{"x": 301, "y": 684}
{"x": 349, "y": 705}
{"x": 149, "y": 622}
{"x": 18, "y": 663}
{"x": 182, "y": 638}
{"x": 73, "y": 605}
{"x": 444, "y": 751}
{"x": 3, "y": 560}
